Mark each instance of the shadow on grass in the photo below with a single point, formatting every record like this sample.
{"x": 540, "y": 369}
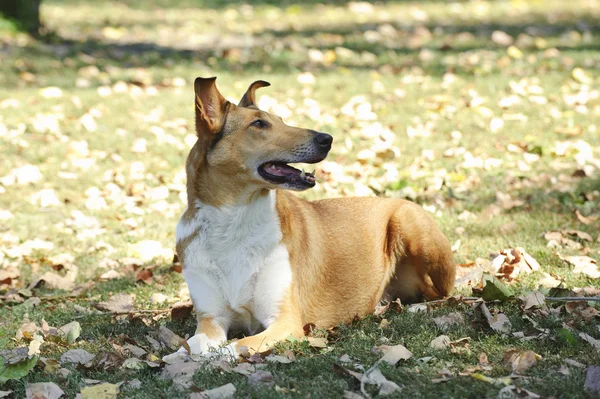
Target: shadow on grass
{"x": 281, "y": 51}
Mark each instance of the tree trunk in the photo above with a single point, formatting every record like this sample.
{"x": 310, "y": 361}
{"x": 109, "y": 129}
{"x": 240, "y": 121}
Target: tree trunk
{"x": 24, "y": 13}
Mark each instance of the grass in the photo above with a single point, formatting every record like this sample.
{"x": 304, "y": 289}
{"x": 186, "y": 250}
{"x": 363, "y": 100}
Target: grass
{"x": 426, "y": 67}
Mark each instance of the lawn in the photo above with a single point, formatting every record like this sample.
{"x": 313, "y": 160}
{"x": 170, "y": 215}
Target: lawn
{"x": 487, "y": 113}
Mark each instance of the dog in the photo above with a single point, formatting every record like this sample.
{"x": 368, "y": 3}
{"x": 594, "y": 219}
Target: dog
{"x": 259, "y": 259}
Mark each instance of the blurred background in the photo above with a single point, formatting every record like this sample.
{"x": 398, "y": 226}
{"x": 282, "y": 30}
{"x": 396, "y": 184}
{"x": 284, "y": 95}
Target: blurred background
{"x": 485, "y": 112}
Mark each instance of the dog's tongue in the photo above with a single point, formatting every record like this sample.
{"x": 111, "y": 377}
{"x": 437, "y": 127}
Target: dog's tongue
{"x": 281, "y": 170}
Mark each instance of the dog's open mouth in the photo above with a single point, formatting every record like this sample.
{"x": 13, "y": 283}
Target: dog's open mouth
{"x": 280, "y": 172}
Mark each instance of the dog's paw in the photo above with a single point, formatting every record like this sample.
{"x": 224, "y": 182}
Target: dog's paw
{"x": 229, "y": 351}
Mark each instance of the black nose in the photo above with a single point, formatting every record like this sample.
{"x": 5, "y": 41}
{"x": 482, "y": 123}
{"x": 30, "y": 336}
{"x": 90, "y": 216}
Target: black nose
{"x": 324, "y": 139}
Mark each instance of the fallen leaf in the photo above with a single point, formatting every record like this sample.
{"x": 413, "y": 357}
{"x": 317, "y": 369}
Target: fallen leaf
{"x": 583, "y": 265}
{"x": 261, "y": 378}
{"x": 393, "y": 354}
{"x": 158, "y": 298}
{"x": 53, "y": 281}
{"x": 512, "y": 391}
{"x": 374, "y": 376}
{"x": 592, "y": 380}
{"x": 446, "y": 321}
{"x": 278, "y": 359}
{"x": 145, "y": 275}
{"x": 590, "y": 340}
{"x": 100, "y": 391}
{"x": 16, "y": 370}
{"x": 533, "y": 299}
{"x": 498, "y": 322}
{"x": 222, "y": 392}
{"x": 180, "y": 373}
{"x": 520, "y": 361}
{"x": 490, "y": 380}
{"x": 34, "y": 345}
{"x": 169, "y": 338}
{"x": 43, "y": 390}
{"x": 494, "y": 289}
{"x": 181, "y": 310}
{"x": 317, "y": 342}
{"x": 135, "y": 350}
{"x": 120, "y": 303}
{"x": 79, "y": 356}
{"x": 71, "y": 330}
{"x": 441, "y": 342}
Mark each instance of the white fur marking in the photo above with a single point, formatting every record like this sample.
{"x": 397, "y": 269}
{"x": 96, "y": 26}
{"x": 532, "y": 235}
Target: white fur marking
{"x": 236, "y": 268}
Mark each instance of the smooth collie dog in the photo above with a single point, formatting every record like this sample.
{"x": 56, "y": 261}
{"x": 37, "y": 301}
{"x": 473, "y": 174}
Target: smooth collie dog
{"x": 257, "y": 258}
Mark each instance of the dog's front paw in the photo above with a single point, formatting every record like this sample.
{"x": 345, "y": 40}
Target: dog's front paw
{"x": 199, "y": 345}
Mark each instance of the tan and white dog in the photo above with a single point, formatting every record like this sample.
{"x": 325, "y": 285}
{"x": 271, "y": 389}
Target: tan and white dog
{"x": 257, "y": 258}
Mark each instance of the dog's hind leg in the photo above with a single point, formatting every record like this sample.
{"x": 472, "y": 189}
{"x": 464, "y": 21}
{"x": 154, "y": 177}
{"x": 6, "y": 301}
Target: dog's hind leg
{"x": 424, "y": 265}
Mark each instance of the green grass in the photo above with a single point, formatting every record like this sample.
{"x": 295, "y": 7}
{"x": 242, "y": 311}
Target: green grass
{"x": 432, "y": 64}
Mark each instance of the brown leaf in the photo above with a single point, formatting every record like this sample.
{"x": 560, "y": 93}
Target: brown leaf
{"x": 533, "y": 299}
{"x": 181, "y": 310}
{"x": 520, "y": 361}
{"x": 169, "y": 338}
{"x": 52, "y": 281}
{"x": 120, "y": 303}
{"x": 144, "y": 275}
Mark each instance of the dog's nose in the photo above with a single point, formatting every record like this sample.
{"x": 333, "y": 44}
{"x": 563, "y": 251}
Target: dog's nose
{"x": 324, "y": 139}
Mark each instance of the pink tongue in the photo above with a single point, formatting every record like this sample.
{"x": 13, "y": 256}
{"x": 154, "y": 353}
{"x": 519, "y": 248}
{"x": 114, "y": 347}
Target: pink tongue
{"x": 281, "y": 170}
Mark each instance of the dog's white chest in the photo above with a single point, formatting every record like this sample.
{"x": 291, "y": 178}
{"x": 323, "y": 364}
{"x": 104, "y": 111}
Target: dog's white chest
{"x": 235, "y": 265}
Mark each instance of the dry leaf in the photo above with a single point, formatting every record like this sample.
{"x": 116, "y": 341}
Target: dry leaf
{"x": 222, "y": 392}
{"x": 261, "y": 378}
{"x": 533, "y": 299}
{"x": 441, "y": 342}
{"x": 53, "y": 281}
{"x": 393, "y": 354}
{"x": 79, "y": 356}
{"x": 447, "y": 321}
{"x": 584, "y": 265}
{"x": 181, "y": 310}
{"x": 520, "y": 361}
{"x": 590, "y": 340}
{"x": 100, "y": 391}
{"x": 43, "y": 390}
{"x": 374, "y": 376}
{"x": 120, "y": 303}
{"x": 169, "y": 338}
{"x": 317, "y": 342}
{"x": 592, "y": 380}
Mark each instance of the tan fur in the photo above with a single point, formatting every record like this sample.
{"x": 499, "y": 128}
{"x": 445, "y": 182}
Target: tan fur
{"x": 346, "y": 254}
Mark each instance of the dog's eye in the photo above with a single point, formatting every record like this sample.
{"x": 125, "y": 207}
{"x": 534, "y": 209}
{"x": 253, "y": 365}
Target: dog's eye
{"x": 259, "y": 123}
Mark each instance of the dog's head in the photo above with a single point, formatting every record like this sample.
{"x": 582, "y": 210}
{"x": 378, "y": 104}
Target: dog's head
{"x": 242, "y": 143}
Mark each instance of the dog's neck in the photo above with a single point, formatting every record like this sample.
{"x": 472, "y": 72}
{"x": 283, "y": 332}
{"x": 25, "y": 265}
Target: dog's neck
{"x": 212, "y": 189}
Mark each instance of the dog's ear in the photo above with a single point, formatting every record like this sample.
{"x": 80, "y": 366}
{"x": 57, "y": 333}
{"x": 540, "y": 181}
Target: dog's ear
{"x": 210, "y": 106}
{"x": 249, "y": 97}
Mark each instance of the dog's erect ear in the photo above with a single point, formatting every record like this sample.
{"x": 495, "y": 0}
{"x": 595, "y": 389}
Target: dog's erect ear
{"x": 249, "y": 97}
{"x": 210, "y": 106}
